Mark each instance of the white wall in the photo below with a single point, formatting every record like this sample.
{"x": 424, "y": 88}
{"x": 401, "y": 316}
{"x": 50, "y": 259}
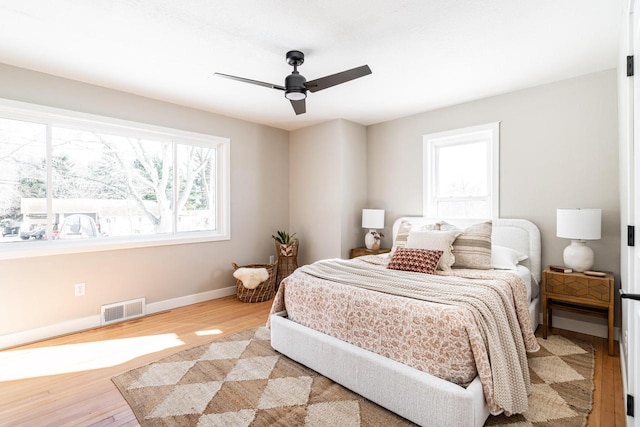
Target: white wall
{"x": 327, "y": 188}
{"x": 354, "y": 185}
{"x": 36, "y": 292}
{"x": 558, "y": 148}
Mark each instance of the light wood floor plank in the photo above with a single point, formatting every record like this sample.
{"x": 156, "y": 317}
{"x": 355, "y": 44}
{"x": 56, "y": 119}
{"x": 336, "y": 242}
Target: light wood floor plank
{"x": 89, "y": 398}
{"x": 596, "y": 412}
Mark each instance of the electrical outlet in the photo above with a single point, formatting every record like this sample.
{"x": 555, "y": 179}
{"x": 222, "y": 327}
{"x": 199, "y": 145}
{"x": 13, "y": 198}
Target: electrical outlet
{"x": 271, "y": 259}
{"x": 79, "y": 289}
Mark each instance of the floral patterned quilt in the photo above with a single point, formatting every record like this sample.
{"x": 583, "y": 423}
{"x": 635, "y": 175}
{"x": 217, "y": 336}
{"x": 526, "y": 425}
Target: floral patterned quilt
{"x": 432, "y": 323}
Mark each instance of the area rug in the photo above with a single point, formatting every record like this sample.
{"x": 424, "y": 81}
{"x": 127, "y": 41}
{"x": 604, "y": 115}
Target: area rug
{"x": 241, "y": 381}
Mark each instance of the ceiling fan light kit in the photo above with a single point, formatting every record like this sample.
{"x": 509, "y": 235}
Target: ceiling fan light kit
{"x": 295, "y": 96}
{"x": 296, "y": 85}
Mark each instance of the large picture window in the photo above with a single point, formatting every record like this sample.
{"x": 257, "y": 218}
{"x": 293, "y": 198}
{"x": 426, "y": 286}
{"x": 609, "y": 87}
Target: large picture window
{"x": 460, "y": 172}
{"x": 76, "y": 182}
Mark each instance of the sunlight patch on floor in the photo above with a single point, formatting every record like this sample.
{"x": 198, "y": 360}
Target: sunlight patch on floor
{"x": 208, "y": 332}
{"x": 62, "y": 359}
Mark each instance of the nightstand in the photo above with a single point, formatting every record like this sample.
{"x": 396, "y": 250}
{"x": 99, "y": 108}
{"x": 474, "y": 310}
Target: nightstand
{"x": 356, "y": 252}
{"x": 578, "y": 293}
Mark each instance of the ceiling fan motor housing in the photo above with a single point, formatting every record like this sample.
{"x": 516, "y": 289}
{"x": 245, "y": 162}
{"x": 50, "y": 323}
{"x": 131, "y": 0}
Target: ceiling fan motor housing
{"x": 294, "y": 86}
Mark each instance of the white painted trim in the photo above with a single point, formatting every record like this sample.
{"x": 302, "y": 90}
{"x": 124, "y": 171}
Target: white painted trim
{"x": 51, "y": 116}
{"x": 156, "y": 307}
{"x": 583, "y": 327}
{"x": 489, "y": 132}
{"x": 90, "y": 322}
{"x": 58, "y": 247}
{"x": 49, "y": 331}
{"x": 625, "y": 384}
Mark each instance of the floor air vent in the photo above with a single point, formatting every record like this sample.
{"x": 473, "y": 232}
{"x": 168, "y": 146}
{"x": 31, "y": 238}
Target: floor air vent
{"x": 119, "y": 311}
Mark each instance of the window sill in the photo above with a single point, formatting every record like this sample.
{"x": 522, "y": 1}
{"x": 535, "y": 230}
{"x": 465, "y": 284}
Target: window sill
{"x": 31, "y": 249}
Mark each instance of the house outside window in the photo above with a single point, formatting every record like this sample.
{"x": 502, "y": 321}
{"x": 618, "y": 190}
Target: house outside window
{"x": 71, "y": 182}
{"x": 461, "y": 172}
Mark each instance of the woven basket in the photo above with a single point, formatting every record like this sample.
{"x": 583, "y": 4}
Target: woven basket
{"x": 265, "y": 289}
{"x": 287, "y": 261}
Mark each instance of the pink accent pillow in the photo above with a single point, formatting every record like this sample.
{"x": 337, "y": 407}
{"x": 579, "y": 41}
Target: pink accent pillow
{"x": 418, "y": 260}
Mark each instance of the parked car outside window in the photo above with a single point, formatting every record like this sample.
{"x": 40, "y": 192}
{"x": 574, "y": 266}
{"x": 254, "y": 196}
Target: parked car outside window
{"x": 10, "y": 229}
{"x": 36, "y": 231}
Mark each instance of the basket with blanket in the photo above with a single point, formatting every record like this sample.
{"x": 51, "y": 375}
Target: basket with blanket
{"x": 255, "y": 282}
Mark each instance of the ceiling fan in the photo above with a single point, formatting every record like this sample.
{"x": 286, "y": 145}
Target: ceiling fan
{"x": 296, "y": 85}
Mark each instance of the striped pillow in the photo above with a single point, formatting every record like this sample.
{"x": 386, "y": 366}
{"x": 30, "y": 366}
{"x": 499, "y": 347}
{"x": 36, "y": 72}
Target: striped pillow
{"x": 472, "y": 248}
{"x": 418, "y": 260}
{"x": 403, "y": 233}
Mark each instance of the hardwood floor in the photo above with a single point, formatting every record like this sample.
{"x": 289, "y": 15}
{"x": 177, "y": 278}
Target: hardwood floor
{"x": 608, "y": 400}
{"x": 66, "y": 381}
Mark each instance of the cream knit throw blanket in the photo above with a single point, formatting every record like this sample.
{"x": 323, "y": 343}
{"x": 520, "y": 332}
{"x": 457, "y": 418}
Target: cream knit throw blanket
{"x": 507, "y": 335}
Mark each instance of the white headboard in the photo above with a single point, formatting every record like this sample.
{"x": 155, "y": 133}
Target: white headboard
{"x": 519, "y": 234}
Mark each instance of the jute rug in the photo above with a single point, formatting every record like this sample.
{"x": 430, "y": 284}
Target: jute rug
{"x": 241, "y": 381}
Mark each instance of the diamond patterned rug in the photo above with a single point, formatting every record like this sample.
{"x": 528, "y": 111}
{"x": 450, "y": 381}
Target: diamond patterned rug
{"x": 241, "y": 381}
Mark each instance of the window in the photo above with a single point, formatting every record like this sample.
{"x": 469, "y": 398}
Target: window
{"x": 72, "y": 182}
{"x": 460, "y": 172}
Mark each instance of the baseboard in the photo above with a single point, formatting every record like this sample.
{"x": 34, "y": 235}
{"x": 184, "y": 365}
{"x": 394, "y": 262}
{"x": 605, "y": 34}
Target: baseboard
{"x": 625, "y": 383}
{"x": 156, "y": 307}
{"x": 89, "y": 322}
{"x": 49, "y": 331}
{"x": 583, "y": 327}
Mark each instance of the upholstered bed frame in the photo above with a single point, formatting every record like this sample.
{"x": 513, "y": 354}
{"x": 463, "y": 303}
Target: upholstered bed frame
{"x": 415, "y": 395}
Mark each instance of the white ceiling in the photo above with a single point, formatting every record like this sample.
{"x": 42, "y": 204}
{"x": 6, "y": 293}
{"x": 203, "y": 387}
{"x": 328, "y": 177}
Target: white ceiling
{"x": 424, "y": 54}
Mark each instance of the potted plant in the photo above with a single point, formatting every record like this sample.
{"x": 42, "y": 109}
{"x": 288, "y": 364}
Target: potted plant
{"x": 287, "y": 250}
{"x": 286, "y": 243}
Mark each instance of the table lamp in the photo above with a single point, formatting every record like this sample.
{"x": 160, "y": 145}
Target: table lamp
{"x": 373, "y": 219}
{"x": 578, "y": 225}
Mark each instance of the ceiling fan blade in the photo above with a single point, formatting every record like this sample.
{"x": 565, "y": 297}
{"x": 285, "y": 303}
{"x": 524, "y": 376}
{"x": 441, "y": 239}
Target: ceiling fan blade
{"x": 253, "y": 82}
{"x": 338, "y": 78}
{"x": 300, "y": 107}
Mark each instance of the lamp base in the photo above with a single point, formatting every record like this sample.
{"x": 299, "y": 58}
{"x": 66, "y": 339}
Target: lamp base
{"x": 578, "y": 256}
{"x": 369, "y": 240}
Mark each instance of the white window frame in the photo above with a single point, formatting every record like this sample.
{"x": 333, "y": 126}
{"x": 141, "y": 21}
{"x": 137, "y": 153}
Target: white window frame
{"x": 488, "y": 133}
{"x": 51, "y": 117}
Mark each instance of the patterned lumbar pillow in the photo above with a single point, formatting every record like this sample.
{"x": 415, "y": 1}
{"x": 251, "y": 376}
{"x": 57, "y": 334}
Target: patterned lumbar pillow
{"x": 418, "y": 260}
{"x": 472, "y": 248}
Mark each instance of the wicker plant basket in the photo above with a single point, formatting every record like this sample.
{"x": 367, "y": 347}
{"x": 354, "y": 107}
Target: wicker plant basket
{"x": 265, "y": 289}
{"x": 287, "y": 260}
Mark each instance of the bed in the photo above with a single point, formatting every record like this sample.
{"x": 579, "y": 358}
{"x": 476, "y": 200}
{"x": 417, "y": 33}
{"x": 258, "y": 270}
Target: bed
{"x": 430, "y": 386}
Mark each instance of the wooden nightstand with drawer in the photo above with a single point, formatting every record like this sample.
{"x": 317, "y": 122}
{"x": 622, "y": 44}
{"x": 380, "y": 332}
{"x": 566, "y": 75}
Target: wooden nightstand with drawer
{"x": 578, "y": 293}
{"x": 356, "y": 252}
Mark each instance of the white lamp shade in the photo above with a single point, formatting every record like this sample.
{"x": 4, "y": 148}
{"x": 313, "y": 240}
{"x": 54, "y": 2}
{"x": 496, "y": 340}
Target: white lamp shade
{"x": 579, "y": 224}
{"x": 373, "y": 218}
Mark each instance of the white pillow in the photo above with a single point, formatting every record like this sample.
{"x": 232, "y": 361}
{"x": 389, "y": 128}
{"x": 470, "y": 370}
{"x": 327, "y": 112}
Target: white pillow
{"x": 405, "y": 228}
{"x": 503, "y": 258}
{"x": 435, "y": 240}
